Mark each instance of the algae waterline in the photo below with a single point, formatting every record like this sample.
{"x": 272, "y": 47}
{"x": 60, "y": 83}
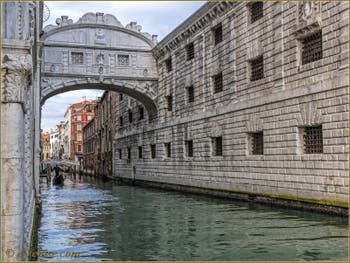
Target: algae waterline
{"x": 284, "y": 201}
{"x": 33, "y": 248}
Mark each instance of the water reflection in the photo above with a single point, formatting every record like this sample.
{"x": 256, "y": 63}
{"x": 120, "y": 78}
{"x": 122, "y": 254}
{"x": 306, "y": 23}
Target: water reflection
{"x": 107, "y": 221}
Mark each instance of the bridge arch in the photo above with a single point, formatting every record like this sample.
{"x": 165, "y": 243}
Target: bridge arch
{"x": 143, "y": 94}
{"x": 98, "y": 52}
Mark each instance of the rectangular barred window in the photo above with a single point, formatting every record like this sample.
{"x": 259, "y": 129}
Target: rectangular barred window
{"x": 129, "y": 153}
{"x": 123, "y": 60}
{"x": 257, "y": 68}
{"x": 311, "y": 48}
{"x": 189, "y": 148}
{"x": 218, "y": 85}
{"x": 190, "y": 51}
{"x": 141, "y": 113}
{"x": 169, "y": 66}
{"x": 217, "y": 146}
{"x": 77, "y": 58}
{"x": 256, "y": 11}
{"x": 167, "y": 149}
{"x": 130, "y": 116}
{"x": 257, "y": 143}
{"x": 153, "y": 151}
{"x": 169, "y": 100}
{"x": 190, "y": 94}
{"x": 121, "y": 121}
{"x": 120, "y": 153}
{"x": 140, "y": 152}
{"x": 313, "y": 139}
{"x": 217, "y": 34}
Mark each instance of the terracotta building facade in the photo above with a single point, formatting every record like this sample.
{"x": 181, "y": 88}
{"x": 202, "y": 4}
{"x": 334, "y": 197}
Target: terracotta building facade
{"x": 80, "y": 114}
{"x": 45, "y": 146}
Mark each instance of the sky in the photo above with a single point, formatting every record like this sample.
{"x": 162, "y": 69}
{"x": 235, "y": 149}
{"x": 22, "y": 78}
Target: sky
{"x": 155, "y": 17}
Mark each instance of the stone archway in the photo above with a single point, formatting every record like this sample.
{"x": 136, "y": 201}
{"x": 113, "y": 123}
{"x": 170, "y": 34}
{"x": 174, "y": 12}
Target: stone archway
{"x": 145, "y": 94}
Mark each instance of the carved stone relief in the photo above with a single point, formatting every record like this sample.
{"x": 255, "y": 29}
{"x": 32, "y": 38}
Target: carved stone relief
{"x": 309, "y": 114}
{"x": 254, "y": 124}
{"x": 15, "y": 70}
{"x": 309, "y": 17}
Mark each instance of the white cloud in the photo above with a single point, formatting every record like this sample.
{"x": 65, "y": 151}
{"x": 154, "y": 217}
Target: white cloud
{"x": 155, "y": 17}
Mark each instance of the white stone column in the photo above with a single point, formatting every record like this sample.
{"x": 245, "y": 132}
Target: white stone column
{"x": 15, "y": 69}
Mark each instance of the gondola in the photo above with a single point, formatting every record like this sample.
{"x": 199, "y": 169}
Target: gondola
{"x": 58, "y": 180}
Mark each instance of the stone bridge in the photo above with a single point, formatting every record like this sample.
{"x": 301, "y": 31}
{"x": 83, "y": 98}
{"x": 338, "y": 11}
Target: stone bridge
{"x": 98, "y": 52}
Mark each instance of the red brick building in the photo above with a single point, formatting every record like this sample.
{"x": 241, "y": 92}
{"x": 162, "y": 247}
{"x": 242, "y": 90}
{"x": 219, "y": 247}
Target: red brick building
{"x": 80, "y": 114}
{"x": 45, "y": 145}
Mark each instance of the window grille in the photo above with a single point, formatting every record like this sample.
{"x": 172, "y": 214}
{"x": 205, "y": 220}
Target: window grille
{"x": 141, "y": 113}
{"x": 218, "y": 85}
{"x": 190, "y": 94}
{"x": 256, "y": 11}
{"x": 168, "y": 149}
{"x": 140, "y": 152}
{"x": 189, "y": 148}
{"x": 217, "y": 34}
{"x": 123, "y": 60}
{"x": 169, "y": 102}
{"x": 190, "y": 51}
{"x": 121, "y": 121}
{"x": 129, "y": 153}
{"x": 311, "y": 48}
{"x": 130, "y": 116}
{"x": 313, "y": 139}
{"x": 257, "y": 68}
{"x": 217, "y": 146}
{"x": 257, "y": 143}
{"x": 169, "y": 66}
{"x": 77, "y": 58}
{"x": 153, "y": 151}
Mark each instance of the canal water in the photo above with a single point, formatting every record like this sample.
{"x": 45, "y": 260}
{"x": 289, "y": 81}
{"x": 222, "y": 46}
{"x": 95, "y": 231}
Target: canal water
{"x": 92, "y": 220}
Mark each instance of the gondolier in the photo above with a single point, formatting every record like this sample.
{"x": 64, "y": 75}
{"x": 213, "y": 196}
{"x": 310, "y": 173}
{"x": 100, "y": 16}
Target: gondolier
{"x": 58, "y": 178}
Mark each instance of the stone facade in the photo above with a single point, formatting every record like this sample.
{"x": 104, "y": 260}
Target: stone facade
{"x": 223, "y": 122}
{"x": 89, "y": 148}
{"x": 99, "y": 136}
{"x": 20, "y": 126}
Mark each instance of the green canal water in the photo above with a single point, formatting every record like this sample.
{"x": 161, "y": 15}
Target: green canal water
{"x": 99, "y": 220}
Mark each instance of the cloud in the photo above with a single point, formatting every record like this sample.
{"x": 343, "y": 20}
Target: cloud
{"x": 155, "y": 17}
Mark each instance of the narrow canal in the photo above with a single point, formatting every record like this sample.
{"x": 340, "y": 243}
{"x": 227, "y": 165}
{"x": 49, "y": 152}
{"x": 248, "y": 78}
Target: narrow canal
{"x": 99, "y": 220}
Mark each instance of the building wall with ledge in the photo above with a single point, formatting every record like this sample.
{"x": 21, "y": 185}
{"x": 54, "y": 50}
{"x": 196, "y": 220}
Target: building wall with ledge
{"x": 290, "y": 96}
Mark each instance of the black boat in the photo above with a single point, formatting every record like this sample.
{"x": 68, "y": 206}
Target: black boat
{"x": 58, "y": 180}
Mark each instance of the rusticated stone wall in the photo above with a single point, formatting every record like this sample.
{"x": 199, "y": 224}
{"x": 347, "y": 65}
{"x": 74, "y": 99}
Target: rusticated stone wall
{"x": 289, "y": 97}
